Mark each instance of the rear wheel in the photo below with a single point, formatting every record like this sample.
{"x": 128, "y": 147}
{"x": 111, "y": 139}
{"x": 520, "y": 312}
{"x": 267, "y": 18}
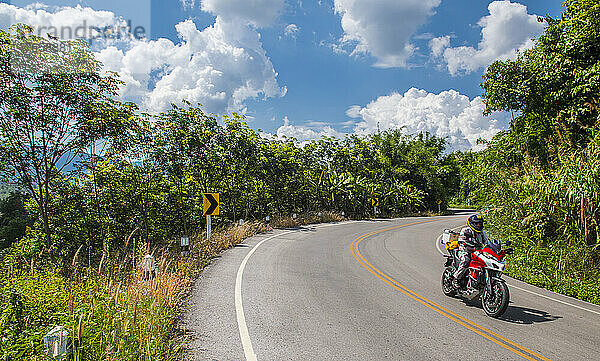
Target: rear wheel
{"x": 447, "y": 277}
{"x": 495, "y": 304}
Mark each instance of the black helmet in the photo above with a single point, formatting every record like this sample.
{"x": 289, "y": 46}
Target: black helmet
{"x": 475, "y": 222}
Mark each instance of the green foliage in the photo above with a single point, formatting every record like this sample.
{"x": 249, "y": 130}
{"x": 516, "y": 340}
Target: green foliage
{"x": 406, "y": 173}
{"x": 55, "y": 105}
{"x": 553, "y": 218}
{"x": 13, "y": 219}
{"x": 539, "y": 181}
{"x": 553, "y": 86}
{"x": 158, "y": 189}
{"x": 106, "y": 319}
{"x": 111, "y": 313}
{"x": 106, "y": 185}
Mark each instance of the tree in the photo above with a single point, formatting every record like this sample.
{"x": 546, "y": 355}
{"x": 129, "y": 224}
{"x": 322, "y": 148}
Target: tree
{"x": 54, "y": 104}
{"x": 554, "y": 87}
{"x": 13, "y": 219}
{"x": 539, "y": 180}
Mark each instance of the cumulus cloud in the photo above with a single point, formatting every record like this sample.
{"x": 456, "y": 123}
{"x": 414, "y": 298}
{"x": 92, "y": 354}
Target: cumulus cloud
{"x": 310, "y": 131}
{"x": 437, "y": 45}
{"x": 507, "y": 28}
{"x": 220, "y": 66}
{"x": 260, "y": 13}
{"x": 447, "y": 114}
{"x": 383, "y": 28}
{"x": 63, "y": 22}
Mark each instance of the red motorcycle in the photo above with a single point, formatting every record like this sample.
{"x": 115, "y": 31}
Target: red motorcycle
{"x": 484, "y": 276}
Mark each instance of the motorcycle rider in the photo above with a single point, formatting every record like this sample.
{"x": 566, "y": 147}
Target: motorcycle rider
{"x": 470, "y": 239}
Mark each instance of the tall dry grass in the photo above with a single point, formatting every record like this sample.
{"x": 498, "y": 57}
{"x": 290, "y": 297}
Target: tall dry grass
{"x": 112, "y": 312}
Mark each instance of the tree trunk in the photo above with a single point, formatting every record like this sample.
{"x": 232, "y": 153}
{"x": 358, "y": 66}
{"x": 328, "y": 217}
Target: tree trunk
{"x": 43, "y": 204}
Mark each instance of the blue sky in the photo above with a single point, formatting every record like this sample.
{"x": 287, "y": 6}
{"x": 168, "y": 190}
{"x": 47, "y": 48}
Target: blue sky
{"x": 322, "y": 84}
{"x": 312, "y": 68}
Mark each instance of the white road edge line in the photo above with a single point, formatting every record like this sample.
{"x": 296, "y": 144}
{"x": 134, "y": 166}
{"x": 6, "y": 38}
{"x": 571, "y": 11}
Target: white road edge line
{"x": 239, "y": 309}
{"x": 437, "y": 245}
{"x": 554, "y": 299}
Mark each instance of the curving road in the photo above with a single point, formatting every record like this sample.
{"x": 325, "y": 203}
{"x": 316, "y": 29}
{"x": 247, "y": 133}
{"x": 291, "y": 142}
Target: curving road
{"x": 369, "y": 290}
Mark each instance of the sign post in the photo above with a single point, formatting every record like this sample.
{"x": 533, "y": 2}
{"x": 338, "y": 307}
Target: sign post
{"x": 439, "y": 202}
{"x": 208, "y": 227}
{"x": 210, "y": 207}
{"x": 375, "y": 203}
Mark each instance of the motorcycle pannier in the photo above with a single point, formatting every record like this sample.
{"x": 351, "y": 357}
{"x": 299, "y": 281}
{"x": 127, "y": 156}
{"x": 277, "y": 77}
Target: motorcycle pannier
{"x": 450, "y": 239}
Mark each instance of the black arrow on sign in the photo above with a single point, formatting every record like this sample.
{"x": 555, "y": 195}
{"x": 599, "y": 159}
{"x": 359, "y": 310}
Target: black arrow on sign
{"x": 213, "y": 203}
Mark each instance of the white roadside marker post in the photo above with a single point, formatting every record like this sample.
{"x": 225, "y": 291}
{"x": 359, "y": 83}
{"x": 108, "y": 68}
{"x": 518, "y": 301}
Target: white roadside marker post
{"x": 185, "y": 245}
{"x": 148, "y": 267}
{"x": 57, "y": 343}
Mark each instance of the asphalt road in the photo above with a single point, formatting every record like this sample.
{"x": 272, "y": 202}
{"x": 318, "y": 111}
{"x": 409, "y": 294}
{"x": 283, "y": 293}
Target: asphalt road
{"x": 369, "y": 290}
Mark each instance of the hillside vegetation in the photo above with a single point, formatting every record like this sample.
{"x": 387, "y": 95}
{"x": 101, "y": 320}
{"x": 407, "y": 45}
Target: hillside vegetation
{"x": 539, "y": 181}
{"x": 103, "y": 184}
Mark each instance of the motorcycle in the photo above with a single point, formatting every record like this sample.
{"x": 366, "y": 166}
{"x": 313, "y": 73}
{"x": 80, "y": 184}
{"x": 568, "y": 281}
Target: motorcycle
{"x": 484, "y": 276}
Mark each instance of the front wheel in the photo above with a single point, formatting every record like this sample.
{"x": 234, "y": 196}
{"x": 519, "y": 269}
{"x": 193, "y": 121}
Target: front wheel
{"x": 447, "y": 277}
{"x": 495, "y": 304}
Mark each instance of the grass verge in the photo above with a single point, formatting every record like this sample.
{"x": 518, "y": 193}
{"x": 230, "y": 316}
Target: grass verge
{"x": 112, "y": 313}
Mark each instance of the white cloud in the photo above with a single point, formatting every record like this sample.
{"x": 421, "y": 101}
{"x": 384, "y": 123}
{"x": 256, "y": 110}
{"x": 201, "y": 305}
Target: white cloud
{"x": 437, "y": 45}
{"x": 447, "y": 114}
{"x": 220, "y": 66}
{"x": 383, "y": 28}
{"x": 260, "y": 13}
{"x": 188, "y": 4}
{"x": 354, "y": 111}
{"x": 64, "y": 22}
{"x": 291, "y": 31}
{"x": 506, "y": 29}
{"x": 310, "y": 131}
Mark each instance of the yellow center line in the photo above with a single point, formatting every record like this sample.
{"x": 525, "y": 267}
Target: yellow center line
{"x": 484, "y": 332}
